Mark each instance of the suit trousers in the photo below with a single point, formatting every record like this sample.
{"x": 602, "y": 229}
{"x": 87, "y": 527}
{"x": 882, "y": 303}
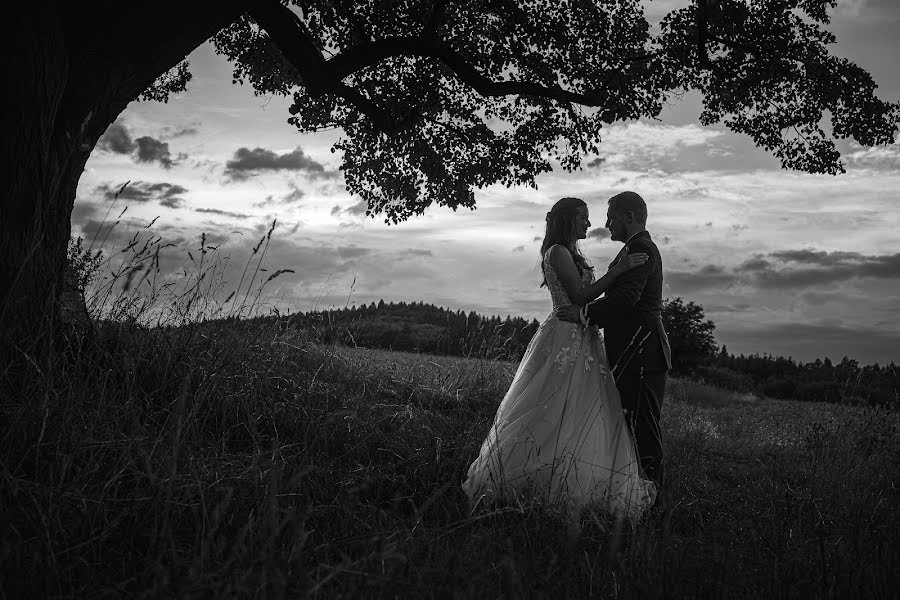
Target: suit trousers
{"x": 642, "y": 399}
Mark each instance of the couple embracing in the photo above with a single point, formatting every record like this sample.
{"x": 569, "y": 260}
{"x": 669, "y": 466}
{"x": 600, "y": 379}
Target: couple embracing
{"x": 580, "y": 422}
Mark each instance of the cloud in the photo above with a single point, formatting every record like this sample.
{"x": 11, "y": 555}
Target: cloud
{"x": 185, "y": 131}
{"x": 153, "y": 150}
{"x": 705, "y": 278}
{"x": 171, "y": 202}
{"x": 135, "y": 191}
{"x": 224, "y": 213}
{"x": 116, "y": 139}
{"x": 719, "y": 152}
{"x": 804, "y": 268}
{"x": 755, "y": 264}
{"x": 295, "y": 195}
{"x": 821, "y": 298}
{"x": 357, "y": 210}
{"x": 167, "y": 194}
{"x": 419, "y": 252}
{"x": 693, "y": 192}
{"x": 292, "y": 197}
{"x": 789, "y": 270}
{"x": 853, "y": 8}
{"x": 644, "y": 146}
{"x": 93, "y": 229}
{"x": 813, "y": 257}
{"x": 740, "y": 307}
{"x": 116, "y": 233}
{"x": 352, "y": 251}
{"x": 882, "y": 158}
{"x": 596, "y": 162}
{"x": 519, "y": 249}
{"x": 247, "y": 163}
{"x": 84, "y": 210}
{"x": 598, "y": 233}
{"x": 182, "y": 130}
{"x": 313, "y": 263}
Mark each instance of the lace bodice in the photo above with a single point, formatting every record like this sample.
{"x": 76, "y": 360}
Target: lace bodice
{"x": 557, "y": 292}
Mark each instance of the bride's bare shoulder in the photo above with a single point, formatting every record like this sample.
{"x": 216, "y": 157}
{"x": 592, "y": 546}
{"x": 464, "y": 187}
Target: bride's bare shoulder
{"x": 557, "y": 253}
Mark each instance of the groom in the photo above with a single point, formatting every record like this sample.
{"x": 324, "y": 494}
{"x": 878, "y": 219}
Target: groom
{"x": 631, "y": 317}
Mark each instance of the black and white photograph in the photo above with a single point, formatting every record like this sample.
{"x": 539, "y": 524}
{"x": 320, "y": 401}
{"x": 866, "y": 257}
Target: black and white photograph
{"x": 450, "y": 299}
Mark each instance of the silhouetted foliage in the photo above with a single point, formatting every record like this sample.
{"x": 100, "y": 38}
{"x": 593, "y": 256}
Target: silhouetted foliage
{"x": 818, "y": 380}
{"x": 433, "y": 99}
{"x": 690, "y": 334}
{"x": 419, "y": 88}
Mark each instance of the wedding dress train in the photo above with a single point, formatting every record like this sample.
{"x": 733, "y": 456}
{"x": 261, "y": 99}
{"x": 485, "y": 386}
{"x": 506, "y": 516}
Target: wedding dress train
{"x": 559, "y": 434}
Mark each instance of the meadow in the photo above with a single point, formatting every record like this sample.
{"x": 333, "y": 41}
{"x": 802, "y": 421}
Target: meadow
{"x": 180, "y": 448}
{"x": 221, "y": 460}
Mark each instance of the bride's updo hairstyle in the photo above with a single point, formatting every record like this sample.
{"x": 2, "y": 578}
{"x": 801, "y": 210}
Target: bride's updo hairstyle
{"x": 561, "y": 230}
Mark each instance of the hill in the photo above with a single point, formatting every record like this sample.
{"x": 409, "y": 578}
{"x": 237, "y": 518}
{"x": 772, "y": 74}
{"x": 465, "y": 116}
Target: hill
{"x": 422, "y": 327}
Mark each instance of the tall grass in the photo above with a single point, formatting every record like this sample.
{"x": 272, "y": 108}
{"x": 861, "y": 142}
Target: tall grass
{"x": 128, "y": 285}
{"x": 177, "y": 457}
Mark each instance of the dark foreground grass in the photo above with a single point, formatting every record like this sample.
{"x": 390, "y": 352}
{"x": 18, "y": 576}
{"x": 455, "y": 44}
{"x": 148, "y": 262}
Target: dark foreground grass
{"x": 221, "y": 461}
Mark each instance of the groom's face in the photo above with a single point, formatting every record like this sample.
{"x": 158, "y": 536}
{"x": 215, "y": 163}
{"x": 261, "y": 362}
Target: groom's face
{"x": 617, "y": 224}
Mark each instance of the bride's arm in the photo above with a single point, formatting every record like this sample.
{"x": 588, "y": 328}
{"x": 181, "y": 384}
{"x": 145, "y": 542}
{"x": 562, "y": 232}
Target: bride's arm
{"x": 568, "y": 274}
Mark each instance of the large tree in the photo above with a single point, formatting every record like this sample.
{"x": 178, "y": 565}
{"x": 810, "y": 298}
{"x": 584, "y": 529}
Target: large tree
{"x": 434, "y": 98}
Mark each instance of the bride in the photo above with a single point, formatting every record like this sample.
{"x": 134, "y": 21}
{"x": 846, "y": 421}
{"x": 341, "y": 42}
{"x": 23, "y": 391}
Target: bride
{"x": 560, "y": 434}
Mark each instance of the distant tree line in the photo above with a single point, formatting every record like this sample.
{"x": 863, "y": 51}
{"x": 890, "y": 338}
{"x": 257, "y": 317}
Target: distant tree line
{"x": 696, "y": 355}
{"x": 422, "y": 327}
{"x": 818, "y": 380}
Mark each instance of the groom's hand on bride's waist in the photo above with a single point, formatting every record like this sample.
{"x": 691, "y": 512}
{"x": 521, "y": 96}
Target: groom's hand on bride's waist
{"x": 571, "y": 313}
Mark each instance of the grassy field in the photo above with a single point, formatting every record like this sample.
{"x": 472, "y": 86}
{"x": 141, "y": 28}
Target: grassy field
{"x": 223, "y": 461}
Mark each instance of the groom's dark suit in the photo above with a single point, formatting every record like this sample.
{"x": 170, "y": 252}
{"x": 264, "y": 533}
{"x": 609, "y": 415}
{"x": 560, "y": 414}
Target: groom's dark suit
{"x": 630, "y": 310}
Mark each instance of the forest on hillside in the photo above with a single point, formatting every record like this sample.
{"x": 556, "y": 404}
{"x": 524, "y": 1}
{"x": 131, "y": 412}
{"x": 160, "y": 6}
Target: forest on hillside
{"x": 421, "y": 327}
{"x": 426, "y": 328}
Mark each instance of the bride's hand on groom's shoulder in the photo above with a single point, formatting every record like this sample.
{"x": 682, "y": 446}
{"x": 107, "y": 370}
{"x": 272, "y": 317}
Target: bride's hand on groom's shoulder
{"x": 571, "y": 313}
{"x": 628, "y": 262}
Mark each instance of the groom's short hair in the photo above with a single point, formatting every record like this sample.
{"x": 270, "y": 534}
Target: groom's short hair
{"x": 630, "y": 201}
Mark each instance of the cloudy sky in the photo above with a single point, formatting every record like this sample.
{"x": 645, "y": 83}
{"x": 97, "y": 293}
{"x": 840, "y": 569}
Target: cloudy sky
{"x": 784, "y": 263}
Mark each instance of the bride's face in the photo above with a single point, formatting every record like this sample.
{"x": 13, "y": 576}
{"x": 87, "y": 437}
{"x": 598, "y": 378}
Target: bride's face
{"x": 582, "y": 223}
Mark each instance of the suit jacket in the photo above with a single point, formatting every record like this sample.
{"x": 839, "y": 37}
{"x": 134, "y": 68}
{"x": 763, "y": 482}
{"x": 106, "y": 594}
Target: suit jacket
{"x": 633, "y": 305}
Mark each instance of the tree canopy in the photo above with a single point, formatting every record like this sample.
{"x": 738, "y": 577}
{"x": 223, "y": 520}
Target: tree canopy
{"x": 438, "y": 98}
{"x": 434, "y": 99}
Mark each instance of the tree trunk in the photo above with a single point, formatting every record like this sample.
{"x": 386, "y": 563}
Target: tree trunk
{"x": 69, "y": 70}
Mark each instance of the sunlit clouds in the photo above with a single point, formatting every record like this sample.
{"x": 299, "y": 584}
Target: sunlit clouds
{"x": 783, "y": 262}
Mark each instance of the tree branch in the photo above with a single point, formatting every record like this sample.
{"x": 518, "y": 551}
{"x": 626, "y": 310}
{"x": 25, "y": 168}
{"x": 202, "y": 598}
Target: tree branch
{"x": 323, "y": 76}
{"x": 296, "y": 43}
{"x": 371, "y": 53}
{"x": 702, "y": 22}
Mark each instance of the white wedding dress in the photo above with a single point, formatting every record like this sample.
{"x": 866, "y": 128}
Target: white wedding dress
{"x": 559, "y": 434}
